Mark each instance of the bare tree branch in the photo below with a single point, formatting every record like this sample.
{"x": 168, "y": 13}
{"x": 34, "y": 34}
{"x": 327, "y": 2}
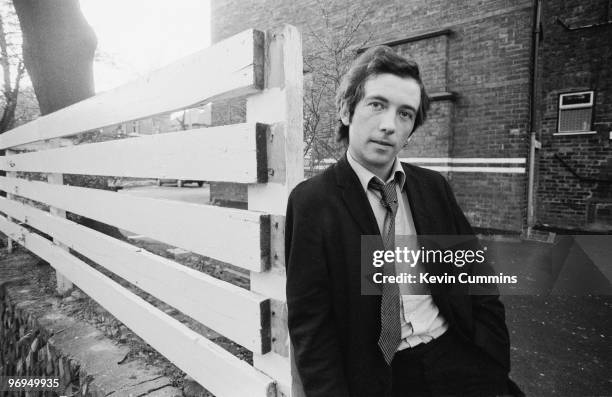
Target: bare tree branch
{"x": 12, "y": 66}
{"x": 334, "y": 46}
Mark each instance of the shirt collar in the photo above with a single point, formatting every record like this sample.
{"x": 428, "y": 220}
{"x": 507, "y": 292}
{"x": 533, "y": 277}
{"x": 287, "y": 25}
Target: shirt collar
{"x": 365, "y": 175}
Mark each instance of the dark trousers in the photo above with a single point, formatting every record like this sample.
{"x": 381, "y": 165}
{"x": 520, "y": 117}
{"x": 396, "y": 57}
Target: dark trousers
{"x": 447, "y": 366}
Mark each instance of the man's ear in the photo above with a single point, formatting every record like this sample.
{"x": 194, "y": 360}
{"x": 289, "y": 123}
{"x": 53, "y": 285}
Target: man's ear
{"x": 345, "y": 116}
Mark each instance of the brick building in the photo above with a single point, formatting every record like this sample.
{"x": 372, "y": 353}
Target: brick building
{"x": 477, "y": 58}
{"x": 574, "y": 174}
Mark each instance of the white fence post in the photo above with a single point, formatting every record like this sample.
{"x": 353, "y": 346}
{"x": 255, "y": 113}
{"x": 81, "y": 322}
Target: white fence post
{"x": 63, "y": 284}
{"x": 9, "y": 174}
{"x": 279, "y": 105}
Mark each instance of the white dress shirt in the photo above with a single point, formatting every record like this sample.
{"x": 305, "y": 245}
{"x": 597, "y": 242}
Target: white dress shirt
{"x": 421, "y": 320}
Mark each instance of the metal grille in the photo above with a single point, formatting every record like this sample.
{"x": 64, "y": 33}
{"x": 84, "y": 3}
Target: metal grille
{"x": 575, "y": 119}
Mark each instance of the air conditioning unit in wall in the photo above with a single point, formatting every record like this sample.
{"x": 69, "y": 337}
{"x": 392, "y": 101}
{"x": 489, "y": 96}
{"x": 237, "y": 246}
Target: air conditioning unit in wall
{"x": 576, "y": 112}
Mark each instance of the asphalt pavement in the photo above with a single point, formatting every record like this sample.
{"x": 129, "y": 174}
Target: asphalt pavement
{"x": 190, "y": 193}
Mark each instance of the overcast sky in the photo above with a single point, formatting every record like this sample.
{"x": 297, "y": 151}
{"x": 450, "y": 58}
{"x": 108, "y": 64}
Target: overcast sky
{"x": 143, "y": 35}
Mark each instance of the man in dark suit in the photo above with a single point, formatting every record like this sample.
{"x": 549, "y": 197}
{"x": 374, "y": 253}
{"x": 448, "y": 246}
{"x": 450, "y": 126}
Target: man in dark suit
{"x": 398, "y": 343}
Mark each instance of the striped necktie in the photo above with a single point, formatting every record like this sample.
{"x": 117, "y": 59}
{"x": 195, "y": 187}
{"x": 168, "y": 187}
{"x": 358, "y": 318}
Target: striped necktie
{"x": 390, "y": 327}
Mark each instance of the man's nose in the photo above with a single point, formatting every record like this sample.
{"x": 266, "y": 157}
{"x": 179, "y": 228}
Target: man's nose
{"x": 387, "y": 122}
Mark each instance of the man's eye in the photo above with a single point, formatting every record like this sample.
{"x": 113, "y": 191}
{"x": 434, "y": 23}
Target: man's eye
{"x": 376, "y": 105}
{"x": 405, "y": 115}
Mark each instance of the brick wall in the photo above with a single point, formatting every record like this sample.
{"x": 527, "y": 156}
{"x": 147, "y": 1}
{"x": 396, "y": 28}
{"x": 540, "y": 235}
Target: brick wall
{"x": 493, "y": 198}
{"x": 485, "y": 60}
{"x": 575, "y": 60}
{"x": 434, "y": 138}
{"x": 489, "y": 69}
{"x": 25, "y": 349}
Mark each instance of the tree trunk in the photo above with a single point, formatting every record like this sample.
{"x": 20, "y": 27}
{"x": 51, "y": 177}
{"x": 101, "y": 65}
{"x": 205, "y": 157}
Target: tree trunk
{"x": 58, "y": 51}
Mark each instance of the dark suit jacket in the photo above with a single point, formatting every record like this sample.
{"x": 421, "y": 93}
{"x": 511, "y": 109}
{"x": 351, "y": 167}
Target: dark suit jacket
{"x": 333, "y": 327}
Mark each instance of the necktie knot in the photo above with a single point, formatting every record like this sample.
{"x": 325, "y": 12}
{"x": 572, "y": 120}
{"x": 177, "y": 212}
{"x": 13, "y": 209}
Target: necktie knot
{"x": 387, "y": 192}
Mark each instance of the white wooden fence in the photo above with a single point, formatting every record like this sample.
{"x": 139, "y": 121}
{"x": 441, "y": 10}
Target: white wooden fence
{"x": 265, "y": 153}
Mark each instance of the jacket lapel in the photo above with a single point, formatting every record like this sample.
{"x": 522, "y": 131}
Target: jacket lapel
{"x": 416, "y": 200}
{"x": 355, "y": 198}
{"x": 358, "y": 206}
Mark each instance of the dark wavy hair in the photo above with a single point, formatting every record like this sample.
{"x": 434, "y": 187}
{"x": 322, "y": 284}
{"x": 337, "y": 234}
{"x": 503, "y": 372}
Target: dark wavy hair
{"x": 373, "y": 62}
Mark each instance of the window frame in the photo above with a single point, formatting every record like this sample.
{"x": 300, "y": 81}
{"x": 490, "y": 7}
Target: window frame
{"x": 561, "y": 107}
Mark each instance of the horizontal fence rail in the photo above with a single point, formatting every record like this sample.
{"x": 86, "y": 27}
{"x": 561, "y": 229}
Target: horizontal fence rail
{"x": 231, "y": 68}
{"x": 265, "y": 153}
{"x": 211, "y": 365}
{"x": 204, "y": 229}
{"x": 193, "y": 154}
{"x": 229, "y": 310}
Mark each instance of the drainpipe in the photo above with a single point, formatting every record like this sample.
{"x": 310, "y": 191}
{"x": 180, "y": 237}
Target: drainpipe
{"x": 534, "y": 143}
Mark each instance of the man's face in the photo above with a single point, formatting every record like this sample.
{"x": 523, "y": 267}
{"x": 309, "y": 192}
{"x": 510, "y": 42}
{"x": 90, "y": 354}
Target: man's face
{"x": 382, "y": 121}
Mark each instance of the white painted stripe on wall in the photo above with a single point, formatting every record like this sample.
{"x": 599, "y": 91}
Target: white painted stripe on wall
{"x": 501, "y": 170}
{"x": 479, "y": 160}
{"x": 442, "y": 164}
{"x": 448, "y": 168}
{"x": 575, "y": 133}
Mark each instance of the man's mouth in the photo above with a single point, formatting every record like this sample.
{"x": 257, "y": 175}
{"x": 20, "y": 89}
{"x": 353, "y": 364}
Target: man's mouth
{"x": 383, "y": 143}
